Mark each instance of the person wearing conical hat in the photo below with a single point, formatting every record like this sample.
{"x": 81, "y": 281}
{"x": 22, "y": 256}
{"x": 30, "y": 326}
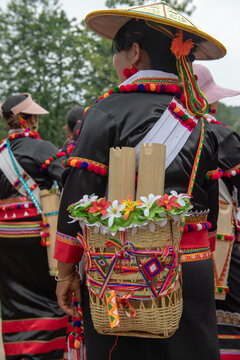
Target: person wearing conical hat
{"x": 228, "y": 310}
{"x": 157, "y": 101}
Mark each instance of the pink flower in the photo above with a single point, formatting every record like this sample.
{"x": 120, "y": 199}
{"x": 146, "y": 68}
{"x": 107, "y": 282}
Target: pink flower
{"x": 168, "y": 202}
{"x": 99, "y": 206}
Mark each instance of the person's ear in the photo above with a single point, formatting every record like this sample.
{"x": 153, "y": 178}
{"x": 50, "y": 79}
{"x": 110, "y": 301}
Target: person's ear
{"x": 135, "y": 53}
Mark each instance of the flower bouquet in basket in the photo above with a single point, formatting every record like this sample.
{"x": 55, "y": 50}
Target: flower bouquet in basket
{"x": 132, "y": 253}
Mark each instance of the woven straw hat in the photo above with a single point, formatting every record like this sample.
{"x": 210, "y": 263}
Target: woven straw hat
{"x": 107, "y": 23}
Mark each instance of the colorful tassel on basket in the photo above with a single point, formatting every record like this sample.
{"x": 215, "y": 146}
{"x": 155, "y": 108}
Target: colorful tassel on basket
{"x": 75, "y": 341}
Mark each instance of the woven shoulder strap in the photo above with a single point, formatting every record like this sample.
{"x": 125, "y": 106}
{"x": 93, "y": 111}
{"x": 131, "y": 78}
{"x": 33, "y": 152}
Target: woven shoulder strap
{"x": 14, "y": 171}
{"x": 195, "y": 166}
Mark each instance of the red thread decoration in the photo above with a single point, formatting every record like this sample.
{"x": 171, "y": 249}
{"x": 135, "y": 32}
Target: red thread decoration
{"x": 179, "y": 47}
{"x": 113, "y": 348}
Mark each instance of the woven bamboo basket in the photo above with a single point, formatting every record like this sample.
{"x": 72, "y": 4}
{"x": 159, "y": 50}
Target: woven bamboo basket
{"x": 155, "y": 318}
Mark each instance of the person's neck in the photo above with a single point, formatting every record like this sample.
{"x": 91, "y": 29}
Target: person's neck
{"x": 15, "y": 131}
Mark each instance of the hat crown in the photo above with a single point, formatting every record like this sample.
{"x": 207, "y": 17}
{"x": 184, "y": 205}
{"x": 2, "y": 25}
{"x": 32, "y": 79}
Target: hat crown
{"x": 109, "y": 21}
{"x": 205, "y": 79}
{"x": 161, "y": 10}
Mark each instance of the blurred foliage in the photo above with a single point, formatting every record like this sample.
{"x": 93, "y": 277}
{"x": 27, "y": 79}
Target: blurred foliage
{"x": 56, "y": 59}
{"x": 229, "y": 115}
{"x": 41, "y": 54}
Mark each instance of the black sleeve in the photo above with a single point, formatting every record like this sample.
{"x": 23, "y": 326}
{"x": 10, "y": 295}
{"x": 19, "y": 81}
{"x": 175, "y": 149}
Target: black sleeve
{"x": 42, "y": 152}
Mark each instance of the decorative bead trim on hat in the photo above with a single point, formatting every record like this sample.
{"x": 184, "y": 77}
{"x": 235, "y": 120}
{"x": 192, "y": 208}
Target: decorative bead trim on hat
{"x": 189, "y": 255}
{"x": 90, "y": 165}
{"x": 197, "y": 227}
{"x": 232, "y": 172}
{"x": 225, "y": 237}
{"x": 67, "y": 239}
{"x": 214, "y": 174}
{"x": 52, "y": 158}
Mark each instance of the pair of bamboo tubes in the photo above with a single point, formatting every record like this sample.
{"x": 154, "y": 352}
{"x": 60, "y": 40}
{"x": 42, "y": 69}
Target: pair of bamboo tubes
{"x": 122, "y": 172}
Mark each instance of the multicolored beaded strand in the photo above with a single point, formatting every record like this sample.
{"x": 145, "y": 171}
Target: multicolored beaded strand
{"x": 75, "y": 341}
{"x": 52, "y": 158}
{"x": 90, "y": 165}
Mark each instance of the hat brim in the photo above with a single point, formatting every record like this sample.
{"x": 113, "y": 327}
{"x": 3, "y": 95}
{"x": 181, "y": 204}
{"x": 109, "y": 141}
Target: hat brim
{"x": 107, "y": 23}
{"x": 34, "y": 109}
{"x": 215, "y": 93}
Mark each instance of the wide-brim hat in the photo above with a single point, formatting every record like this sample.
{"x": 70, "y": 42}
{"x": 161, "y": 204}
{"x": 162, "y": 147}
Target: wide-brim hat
{"x": 107, "y": 23}
{"x": 28, "y": 106}
{"x": 211, "y": 90}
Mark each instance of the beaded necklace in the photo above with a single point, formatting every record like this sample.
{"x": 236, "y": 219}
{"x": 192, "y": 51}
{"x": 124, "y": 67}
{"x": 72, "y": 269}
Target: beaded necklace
{"x": 147, "y": 87}
{"x": 173, "y": 88}
{"x": 26, "y": 133}
{"x": 170, "y": 86}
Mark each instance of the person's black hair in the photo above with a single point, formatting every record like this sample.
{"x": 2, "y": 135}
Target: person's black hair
{"x": 74, "y": 115}
{"x": 154, "y": 42}
{"x": 9, "y": 103}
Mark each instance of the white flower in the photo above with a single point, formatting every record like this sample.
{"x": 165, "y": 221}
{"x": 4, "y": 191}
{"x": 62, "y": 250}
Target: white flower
{"x": 113, "y": 211}
{"x": 74, "y": 219}
{"x": 148, "y": 203}
{"x": 86, "y": 200}
{"x": 180, "y": 197}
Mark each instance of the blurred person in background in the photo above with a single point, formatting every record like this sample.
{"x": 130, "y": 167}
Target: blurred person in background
{"x": 228, "y": 311}
{"x": 33, "y": 325}
{"x": 73, "y": 124}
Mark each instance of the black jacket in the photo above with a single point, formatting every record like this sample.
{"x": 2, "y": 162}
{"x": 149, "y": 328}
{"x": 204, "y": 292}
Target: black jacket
{"x": 31, "y": 154}
{"x": 123, "y": 120}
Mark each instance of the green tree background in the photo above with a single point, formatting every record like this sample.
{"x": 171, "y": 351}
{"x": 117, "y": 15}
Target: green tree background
{"x": 62, "y": 63}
